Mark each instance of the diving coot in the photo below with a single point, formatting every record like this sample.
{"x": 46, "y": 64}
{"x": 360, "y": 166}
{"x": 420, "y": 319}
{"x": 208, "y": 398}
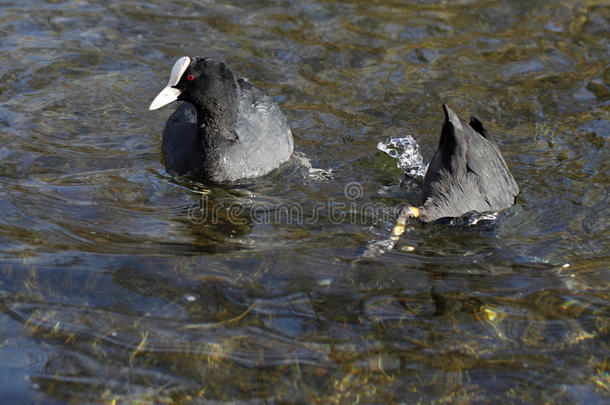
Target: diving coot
{"x": 467, "y": 173}
{"x": 228, "y": 129}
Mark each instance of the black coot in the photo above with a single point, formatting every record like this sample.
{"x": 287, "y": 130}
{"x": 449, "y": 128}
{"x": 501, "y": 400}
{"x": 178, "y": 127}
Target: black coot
{"x": 228, "y": 129}
{"x": 466, "y": 174}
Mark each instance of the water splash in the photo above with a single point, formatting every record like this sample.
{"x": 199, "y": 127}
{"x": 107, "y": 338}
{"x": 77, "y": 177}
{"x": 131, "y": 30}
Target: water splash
{"x": 406, "y": 150}
{"x": 473, "y": 218}
{"x": 314, "y": 173}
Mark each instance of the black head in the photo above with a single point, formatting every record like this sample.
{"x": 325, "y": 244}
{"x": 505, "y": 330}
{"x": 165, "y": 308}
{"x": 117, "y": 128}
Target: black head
{"x": 204, "y": 82}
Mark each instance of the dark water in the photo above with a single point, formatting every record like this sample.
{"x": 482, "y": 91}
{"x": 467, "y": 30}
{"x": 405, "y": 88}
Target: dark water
{"x": 122, "y": 284}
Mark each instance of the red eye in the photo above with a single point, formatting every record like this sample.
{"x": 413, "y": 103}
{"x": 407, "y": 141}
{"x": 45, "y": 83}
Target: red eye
{"x": 190, "y": 77}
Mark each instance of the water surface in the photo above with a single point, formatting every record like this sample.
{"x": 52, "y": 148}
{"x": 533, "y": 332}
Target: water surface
{"x": 121, "y": 283}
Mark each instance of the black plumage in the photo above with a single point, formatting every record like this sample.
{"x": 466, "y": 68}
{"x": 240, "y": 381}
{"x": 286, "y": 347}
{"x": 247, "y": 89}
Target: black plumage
{"x": 227, "y": 130}
{"x": 466, "y": 174}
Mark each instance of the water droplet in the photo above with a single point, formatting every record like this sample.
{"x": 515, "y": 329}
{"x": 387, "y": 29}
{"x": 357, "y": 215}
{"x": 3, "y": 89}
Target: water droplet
{"x": 406, "y": 150}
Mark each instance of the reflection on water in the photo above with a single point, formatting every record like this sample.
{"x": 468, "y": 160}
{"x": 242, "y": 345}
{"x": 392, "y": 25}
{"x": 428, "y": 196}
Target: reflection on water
{"x": 120, "y": 283}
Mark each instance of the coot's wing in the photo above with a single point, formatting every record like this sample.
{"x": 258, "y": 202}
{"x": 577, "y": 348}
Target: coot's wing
{"x": 478, "y": 127}
{"x": 467, "y": 173}
{"x": 449, "y": 158}
{"x": 485, "y": 161}
{"x": 262, "y": 129}
{"x": 449, "y": 189}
